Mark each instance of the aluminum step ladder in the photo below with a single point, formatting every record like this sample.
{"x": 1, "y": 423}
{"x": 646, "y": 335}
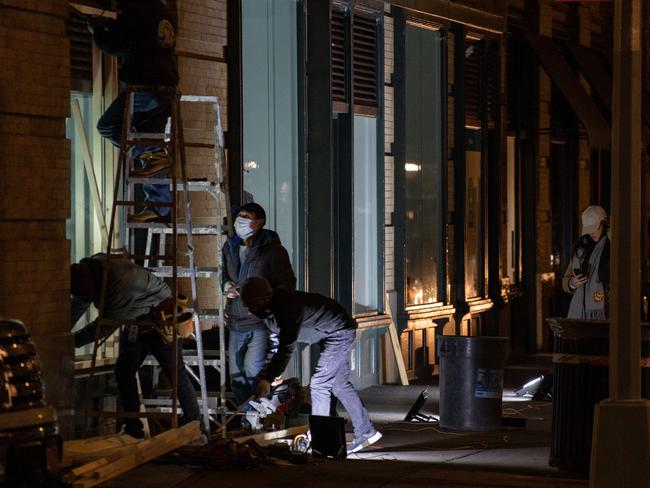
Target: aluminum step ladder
{"x": 220, "y": 227}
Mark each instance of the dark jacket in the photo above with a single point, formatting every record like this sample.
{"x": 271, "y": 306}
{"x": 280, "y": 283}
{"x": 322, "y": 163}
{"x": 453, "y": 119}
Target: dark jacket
{"x": 302, "y": 317}
{"x": 131, "y": 291}
{"x": 142, "y": 38}
{"x": 266, "y": 259}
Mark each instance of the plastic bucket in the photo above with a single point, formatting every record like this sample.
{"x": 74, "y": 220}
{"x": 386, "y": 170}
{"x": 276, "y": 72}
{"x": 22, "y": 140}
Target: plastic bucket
{"x": 471, "y": 382}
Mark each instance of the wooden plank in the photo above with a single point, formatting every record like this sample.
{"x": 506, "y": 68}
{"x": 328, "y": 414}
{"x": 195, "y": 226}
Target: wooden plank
{"x": 86, "y": 450}
{"x": 145, "y": 452}
{"x": 266, "y": 438}
{"x": 73, "y": 474}
{"x": 397, "y": 350}
{"x": 90, "y": 169}
{"x": 94, "y": 11}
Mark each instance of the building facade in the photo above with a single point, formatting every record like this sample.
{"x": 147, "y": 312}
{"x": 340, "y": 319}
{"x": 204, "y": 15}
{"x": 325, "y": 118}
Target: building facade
{"x": 425, "y": 163}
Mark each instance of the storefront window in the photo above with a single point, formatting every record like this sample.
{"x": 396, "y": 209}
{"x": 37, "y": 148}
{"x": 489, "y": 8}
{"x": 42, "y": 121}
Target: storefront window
{"x": 513, "y": 211}
{"x": 423, "y": 166}
{"x": 270, "y": 115}
{"x": 473, "y": 217}
{"x": 366, "y": 232}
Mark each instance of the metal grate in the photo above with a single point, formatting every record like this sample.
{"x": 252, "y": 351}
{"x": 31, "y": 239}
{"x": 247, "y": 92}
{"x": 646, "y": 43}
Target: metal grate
{"x": 364, "y": 36}
{"x": 339, "y": 82}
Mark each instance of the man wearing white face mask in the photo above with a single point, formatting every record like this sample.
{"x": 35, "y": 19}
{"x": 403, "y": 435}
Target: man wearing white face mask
{"x": 254, "y": 251}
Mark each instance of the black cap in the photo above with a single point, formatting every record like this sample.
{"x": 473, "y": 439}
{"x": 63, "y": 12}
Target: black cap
{"x": 254, "y": 208}
{"x": 255, "y": 290}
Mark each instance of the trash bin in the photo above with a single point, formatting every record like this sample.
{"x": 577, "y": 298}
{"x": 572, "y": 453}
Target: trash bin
{"x": 471, "y": 382}
{"x": 580, "y": 381}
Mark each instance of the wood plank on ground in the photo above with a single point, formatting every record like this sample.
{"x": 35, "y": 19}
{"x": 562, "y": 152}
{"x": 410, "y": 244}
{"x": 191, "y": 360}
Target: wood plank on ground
{"x": 85, "y": 450}
{"x": 144, "y": 452}
{"x": 266, "y": 438}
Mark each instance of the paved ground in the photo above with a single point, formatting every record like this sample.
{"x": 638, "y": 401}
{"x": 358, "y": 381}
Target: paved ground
{"x": 409, "y": 455}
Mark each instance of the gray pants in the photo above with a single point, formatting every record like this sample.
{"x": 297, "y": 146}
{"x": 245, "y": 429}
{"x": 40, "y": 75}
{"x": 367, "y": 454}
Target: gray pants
{"x": 332, "y": 376}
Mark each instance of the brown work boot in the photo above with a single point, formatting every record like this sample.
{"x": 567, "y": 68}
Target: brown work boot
{"x": 148, "y": 215}
{"x": 153, "y": 164}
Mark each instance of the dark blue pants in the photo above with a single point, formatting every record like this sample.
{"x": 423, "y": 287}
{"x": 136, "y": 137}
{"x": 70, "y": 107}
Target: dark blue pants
{"x": 332, "y": 376}
{"x": 149, "y": 115}
{"x": 132, "y": 354}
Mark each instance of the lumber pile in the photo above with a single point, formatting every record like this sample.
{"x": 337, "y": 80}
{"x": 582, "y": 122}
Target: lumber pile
{"x": 125, "y": 455}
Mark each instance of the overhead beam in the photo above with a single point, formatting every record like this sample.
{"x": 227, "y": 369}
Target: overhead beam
{"x": 567, "y": 82}
{"x": 453, "y": 12}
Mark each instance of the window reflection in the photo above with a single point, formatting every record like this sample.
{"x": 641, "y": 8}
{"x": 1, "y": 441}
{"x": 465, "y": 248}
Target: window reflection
{"x": 423, "y": 167}
{"x": 366, "y": 247}
{"x": 270, "y": 115}
{"x": 473, "y": 232}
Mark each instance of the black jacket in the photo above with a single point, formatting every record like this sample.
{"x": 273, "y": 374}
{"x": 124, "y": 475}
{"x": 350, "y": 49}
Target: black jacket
{"x": 302, "y": 317}
{"x": 267, "y": 259}
{"x": 142, "y": 38}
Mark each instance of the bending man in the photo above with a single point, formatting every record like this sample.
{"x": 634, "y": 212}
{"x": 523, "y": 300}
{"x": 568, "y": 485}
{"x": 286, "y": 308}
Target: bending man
{"x": 312, "y": 318}
{"x": 132, "y": 292}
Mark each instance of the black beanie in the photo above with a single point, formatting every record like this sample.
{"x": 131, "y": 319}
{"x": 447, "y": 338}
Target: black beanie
{"x": 255, "y": 290}
{"x": 256, "y": 209}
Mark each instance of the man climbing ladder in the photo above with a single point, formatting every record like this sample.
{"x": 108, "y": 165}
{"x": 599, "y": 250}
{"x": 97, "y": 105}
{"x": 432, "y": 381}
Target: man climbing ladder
{"x": 142, "y": 38}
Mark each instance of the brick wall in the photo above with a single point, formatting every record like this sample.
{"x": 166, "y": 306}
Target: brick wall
{"x": 202, "y": 36}
{"x": 35, "y": 185}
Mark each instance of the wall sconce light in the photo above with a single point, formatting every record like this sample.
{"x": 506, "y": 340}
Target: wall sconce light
{"x": 412, "y": 167}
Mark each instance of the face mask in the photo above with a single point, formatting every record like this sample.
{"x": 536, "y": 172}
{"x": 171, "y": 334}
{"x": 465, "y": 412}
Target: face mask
{"x": 243, "y": 227}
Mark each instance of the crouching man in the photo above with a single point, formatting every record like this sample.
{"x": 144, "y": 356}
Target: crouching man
{"x": 312, "y": 318}
{"x": 132, "y": 293}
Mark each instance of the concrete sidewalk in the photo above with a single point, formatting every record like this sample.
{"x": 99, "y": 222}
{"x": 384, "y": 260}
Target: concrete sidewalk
{"x": 409, "y": 454}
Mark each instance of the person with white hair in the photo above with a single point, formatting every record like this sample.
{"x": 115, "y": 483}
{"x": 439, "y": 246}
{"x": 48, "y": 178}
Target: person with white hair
{"x": 587, "y": 275}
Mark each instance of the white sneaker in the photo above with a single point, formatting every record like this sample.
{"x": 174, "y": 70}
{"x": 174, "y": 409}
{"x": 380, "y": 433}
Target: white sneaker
{"x": 364, "y": 441}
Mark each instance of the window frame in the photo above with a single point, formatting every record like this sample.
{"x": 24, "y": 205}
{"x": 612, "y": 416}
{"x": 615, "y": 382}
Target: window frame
{"x": 402, "y": 18}
{"x": 343, "y": 115}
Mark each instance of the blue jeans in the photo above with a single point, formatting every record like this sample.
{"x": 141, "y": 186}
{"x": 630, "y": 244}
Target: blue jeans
{"x": 246, "y": 357}
{"x": 332, "y": 376}
{"x": 149, "y": 115}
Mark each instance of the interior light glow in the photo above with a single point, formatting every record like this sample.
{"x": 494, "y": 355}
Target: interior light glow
{"x": 411, "y": 167}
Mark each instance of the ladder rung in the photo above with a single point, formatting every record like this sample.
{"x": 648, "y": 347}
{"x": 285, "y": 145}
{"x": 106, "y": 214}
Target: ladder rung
{"x": 199, "y": 98}
{"x": 149, "y": 225}
{"x": 192, "y": 185}
{"x": 196, "y": 229}
{"x": 144, "y": 203}
{"x": 158, "y": 257}
{"x": 207, "y": 313}
{"x": 188, "y": 359}
{"x": 138, "y": 136}
{"x": 207, "y": 353}
{"x": 201, "y": 271}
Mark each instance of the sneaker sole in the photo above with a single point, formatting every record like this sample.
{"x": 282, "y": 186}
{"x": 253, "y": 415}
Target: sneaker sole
{"x": 368, "y": 442}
